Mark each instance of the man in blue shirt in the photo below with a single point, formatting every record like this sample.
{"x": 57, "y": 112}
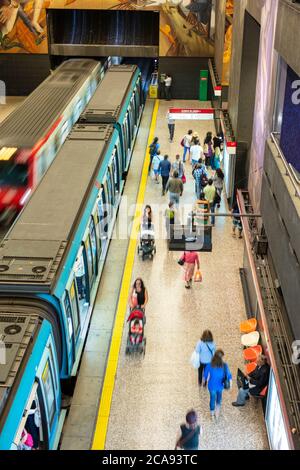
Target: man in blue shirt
{"x": 165, "y": 170}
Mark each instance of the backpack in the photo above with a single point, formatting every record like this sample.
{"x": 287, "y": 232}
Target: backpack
{"x": 152, "y": 149}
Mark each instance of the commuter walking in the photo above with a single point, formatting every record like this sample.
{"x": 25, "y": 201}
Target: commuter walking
{"x": 218, "y": 140}
{"x": 168, "y": 86}
{"x": 236, "y": 221}
{"x": 179, "y": 167}
{"x": 201, "y": 177}
{"x": 190, "y": 261}
{"x": 190, "y": 433}
{"x": 171, "y": 127}
{"x": 219, "y": 377}
{"x": 165, "y": 169}
{"x": 155, "y": 166}
{"x": 218, "y": 180}
{"x": 206, "y": 349}
{"x": 175, "y": 187}
{"x": 210, "y": 193}
{"x": 186, "y": 143}
{"x": 153, "y": 150}
{"x": 216, "y": 159}
{"x": 208, "y": 148}
{"x": 170, "y": 215}
{"x": 196, "y": 153}
{"x": 138, "y": 296}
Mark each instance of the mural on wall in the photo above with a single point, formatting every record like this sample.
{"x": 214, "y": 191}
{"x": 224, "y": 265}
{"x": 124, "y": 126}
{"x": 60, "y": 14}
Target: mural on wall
{"x": 23, "y": 26}
{"x": 228, "y": 42}
{"x": 185, "y": 25}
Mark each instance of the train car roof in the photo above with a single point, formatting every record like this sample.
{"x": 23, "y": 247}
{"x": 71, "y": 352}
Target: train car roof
{"x": 33, "y": 119}
{"x": 107, "y": 101}
{"x": 32, "y": 250}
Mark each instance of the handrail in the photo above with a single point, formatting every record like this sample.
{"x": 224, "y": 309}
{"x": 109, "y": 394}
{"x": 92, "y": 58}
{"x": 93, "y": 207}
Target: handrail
{"x": 286, "y": 165}
{"x": 294, "y": 174}
{"x": 264, "y": 321}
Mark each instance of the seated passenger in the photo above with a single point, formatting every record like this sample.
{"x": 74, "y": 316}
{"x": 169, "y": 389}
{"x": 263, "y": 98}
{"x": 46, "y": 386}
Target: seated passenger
{"x": 255, "y": 383}
{"x": 136, "y": 331}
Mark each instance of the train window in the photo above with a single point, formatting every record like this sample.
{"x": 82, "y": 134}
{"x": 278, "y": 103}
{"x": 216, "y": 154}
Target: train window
{"x": 48, "y": 385}
{"x": 125, "y": 142}
{"x": 81, "y": 280}
{"x": 109, "y": 191}
{"x": 68, "y": 310}
{"x": 75, "y": 308}
{"x": 77, "y": 111}
{"x": 13, "y": 174}
{"x": 130, "y": 137}
{"x": 89, "y": 260}
{"x": 93, "y": 239}
{"x": 111, "y": 182}
{"x": 116, "y": 169}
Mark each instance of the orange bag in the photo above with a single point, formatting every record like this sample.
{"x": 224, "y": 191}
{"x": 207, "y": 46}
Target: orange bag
{"x": 198, "y": 277}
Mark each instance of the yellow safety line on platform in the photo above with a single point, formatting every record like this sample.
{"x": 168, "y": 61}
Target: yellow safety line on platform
{"x": 112, "y": 363}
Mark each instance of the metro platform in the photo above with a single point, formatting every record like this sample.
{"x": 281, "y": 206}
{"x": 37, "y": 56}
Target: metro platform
{"x": 138, "y": 403}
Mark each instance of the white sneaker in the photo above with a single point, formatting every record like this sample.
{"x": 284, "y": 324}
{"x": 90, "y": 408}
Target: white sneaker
{"x": 218, "y": 411}
{"x": 213, "y": 417}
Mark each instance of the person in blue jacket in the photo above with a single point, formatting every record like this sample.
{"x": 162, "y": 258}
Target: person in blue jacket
{"x": 218, "y": 376}
{"x": 165, "y": 170}
{"x": 206, "y": 349}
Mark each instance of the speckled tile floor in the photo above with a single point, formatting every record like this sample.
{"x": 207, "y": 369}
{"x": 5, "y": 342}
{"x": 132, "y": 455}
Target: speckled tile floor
{"x": 152, "y": 394}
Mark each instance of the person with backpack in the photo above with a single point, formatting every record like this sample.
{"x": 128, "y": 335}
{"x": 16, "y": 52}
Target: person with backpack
{"x": 218, "y": 376}
{"x": 206, "y": 349}
{"x": 190, "y": 433}
{"x": 153, "y": 149}
{"x": 179, "y": 167}
{"x": 201, "y": 178}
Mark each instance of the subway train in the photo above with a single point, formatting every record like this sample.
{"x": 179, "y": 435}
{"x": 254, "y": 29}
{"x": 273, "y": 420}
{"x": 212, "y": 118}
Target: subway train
{"x": 52, "y": 258}
{"x": 31, "y": 136}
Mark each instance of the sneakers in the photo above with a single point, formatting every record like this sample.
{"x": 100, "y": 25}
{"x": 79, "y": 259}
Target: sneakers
{"x": 213, "y": 416}
{"x": 218, "y": 411}
{"x": 235, "y": 403}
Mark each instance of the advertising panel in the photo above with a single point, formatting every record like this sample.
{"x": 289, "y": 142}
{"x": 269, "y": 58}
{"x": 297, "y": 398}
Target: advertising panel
{"x": 278, "y": 437}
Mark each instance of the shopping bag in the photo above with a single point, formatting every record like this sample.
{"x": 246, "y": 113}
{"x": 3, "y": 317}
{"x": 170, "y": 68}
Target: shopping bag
{"x": 198, "y": 277}
{"x": 195, "y": 360}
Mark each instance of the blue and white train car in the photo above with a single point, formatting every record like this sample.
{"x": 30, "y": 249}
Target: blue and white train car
{"x": 50, "y": 266}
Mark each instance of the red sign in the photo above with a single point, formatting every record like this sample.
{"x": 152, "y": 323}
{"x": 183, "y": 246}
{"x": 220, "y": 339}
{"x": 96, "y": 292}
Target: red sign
{"x": 191, "y": 114}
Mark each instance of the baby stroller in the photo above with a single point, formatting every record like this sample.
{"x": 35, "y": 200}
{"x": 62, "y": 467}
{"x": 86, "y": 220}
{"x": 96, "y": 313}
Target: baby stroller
{"x": 147, "y": 247}
{"x": 136, "y": 341}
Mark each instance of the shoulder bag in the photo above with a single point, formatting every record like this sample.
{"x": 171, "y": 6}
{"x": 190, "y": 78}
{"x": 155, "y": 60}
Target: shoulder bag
{"x": 226, "y": 381}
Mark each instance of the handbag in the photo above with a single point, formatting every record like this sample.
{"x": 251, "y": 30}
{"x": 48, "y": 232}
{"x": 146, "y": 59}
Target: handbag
{"x": 183, "y": 179}
{"x": 226, "y": 381}
{"x": 195, "y": 360}
{"x": 198, "y": 277}
{"x": 182, "y": 143}
{"x": 181, "y": 262}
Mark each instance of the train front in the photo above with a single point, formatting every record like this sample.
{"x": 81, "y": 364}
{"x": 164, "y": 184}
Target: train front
{"x": 15, "y": 182}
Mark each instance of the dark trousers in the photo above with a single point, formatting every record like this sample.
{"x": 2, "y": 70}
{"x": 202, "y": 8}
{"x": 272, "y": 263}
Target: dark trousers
{"x": 165, "y": 180}
{"x": 168, "y": 92}
{"x": 171, "y": 131}
{"x": 200, "y": 373}
{"x": 150, "y": 164}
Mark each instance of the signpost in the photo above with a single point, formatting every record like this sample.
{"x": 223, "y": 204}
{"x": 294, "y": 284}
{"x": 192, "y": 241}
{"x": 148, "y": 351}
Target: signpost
{"x": 185, "y": 114}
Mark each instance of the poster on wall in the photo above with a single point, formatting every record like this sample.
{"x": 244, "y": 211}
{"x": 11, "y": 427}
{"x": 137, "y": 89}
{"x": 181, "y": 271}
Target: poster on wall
{"x": 186, "y": 26}
{"x": 228, "y": 42}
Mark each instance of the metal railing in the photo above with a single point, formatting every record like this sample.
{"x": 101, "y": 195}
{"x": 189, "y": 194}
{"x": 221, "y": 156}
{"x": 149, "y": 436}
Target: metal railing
{"x": 289, "y": 171}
